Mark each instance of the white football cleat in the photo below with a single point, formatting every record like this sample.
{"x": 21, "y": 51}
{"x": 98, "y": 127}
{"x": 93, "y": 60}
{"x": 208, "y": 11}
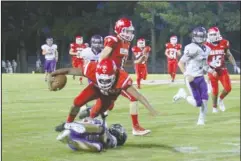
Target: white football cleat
{"x": 215, "y": 110}
{"x": 64, "y": 136}
{"x": 221, "y": 104}
{"x": 139, "y": 131}
{"x": 200, "y": 121}
{"x": 180, "y": 94}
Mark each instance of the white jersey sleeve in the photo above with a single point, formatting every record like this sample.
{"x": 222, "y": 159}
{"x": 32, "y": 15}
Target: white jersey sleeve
{"x": 195, "y": 59}
{"x": 44, "y": 47}
{"x": 190, "y": 51}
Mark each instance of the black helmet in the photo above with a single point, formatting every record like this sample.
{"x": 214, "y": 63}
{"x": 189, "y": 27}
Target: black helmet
{"x": 119, "y": 132}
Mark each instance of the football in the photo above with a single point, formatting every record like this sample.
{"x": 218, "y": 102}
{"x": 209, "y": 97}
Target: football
{"x": 59, "y": 82}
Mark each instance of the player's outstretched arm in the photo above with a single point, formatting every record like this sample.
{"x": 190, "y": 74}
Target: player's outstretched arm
{"x": 232, "y": 60}
{"x": 105, "y": 53}
{"x": 69, "y": 71}
{"x": 142, "y": 99}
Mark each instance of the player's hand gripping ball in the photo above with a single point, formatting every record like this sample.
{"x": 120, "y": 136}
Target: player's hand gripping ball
{"x": 58, "y": 82}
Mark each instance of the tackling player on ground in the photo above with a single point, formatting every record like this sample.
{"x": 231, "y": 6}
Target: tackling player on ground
{"x": 117, "y": 48}
{"x": 193, "y": 64}
{"x": 216, "y": 60}
{"x": 92, "y": 135}
{"x": 50, "y": 52}
{"x": 75, "y": 51}
{"x": 140, "y": 51}
{"x": 173, "y": 51}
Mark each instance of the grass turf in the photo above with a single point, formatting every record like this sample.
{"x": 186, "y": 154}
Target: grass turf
{"x": 30, "y": 113}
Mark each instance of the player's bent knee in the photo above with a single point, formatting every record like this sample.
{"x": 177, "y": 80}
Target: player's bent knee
{"x": 228, "y": 89}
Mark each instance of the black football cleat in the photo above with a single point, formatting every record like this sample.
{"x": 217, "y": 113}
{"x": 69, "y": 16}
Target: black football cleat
{"x": 60, "y": 127}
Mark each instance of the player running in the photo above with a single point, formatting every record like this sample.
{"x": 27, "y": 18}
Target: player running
{"x": 92, "y": 135}
{"x": 141, "y": 65}
{"x": 117, "y": 48}
{"x": 75, "y": 51}
{"x": 216, "y": 60}
{"x": 193, "y": 64}
{"x": 106, "y": 85}
{"x": 173, "y": 50}
{"x": 50, "y": 52}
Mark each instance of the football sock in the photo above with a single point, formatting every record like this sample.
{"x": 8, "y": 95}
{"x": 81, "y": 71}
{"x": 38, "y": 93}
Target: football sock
{"x": 138, "y": 82}
{"x": 215, "y": 99}
{"x": 134, "y": 120}
{"x": 223, "y": 94}
{"x": 134, "y": 113}
{"x": 70, "y": 118}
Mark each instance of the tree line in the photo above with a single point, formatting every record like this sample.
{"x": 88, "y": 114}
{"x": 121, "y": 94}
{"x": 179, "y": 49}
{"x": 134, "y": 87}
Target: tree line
{"x": 26, "y": 24}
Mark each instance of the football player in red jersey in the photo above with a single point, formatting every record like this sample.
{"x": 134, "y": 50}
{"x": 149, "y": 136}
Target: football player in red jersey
{"x": 75, "y": 51}
{"x": 106, "y": 85}
{"x": 117, "y": 48}
{"x": 173, "y": 50}
{"x": 216, "y": 60}
{"x": 141, "y": 51}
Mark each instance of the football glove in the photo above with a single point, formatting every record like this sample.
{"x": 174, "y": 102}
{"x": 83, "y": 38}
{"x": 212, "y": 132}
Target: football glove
{"x": 236, "y": 69}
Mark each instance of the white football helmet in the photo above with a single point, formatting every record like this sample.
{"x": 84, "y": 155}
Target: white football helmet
{"x": 173, "y": 40}
{"x": 214, "y": 35}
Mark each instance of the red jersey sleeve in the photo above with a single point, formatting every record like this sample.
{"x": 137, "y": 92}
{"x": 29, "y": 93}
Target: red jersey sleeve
{"x": 226, "y": 44}
{"x": 110, "y": 41}
{"x": 134, "y": 49}
{"x": 72, "y": 45}
{"x": 88, "y": 70}
{"x": 147, "y": 49}
{"x": 167, "y": 45}
{"x": 124, "y": 80}
{"x": 179, "y": 46}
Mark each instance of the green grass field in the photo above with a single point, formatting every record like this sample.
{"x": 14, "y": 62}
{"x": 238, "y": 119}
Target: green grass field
{"x": 30, "y": 112}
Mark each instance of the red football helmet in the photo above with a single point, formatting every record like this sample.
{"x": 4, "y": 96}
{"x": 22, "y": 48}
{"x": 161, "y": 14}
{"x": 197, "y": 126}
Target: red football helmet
{"x": 125, "y": 29}
{"x": 214, "y": 34}
{"x": 173, "y": 40}
{"x": 79, "y": 40}
{"x": 106, "y": 73}
{"x": 141, "y": 43}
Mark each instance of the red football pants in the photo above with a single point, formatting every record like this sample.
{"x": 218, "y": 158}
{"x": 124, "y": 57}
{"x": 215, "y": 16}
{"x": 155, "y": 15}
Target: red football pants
{"x": 172, "y": 66}
{"x": 77, "y": 62}
{"x": 223, "y": 77}
{"x": 102, "y": 104}
{"x": 141, "y": 71}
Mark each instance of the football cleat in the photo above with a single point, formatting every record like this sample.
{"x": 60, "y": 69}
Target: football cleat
{"x": 221, "y": 105}
{"x": 200, "y": 121}
{"x": 60, "y": 127}
{"x": 180, "y": 94}
{"x": 139, "y": 131}
{"x": 215, "y": 110}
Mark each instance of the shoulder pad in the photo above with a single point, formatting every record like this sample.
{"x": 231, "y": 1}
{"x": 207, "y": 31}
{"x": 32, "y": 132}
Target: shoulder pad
{"x": 111, "y": 38}
{"x": 43, "y": 46}
{"x": 134, "y": 49}
{"x": 191, "y": 49}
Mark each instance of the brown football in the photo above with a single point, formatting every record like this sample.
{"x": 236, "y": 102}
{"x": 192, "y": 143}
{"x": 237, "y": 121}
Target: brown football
{"x": 59, "y": 82}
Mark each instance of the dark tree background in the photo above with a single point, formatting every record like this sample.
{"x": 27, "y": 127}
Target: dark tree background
{"x": 25, "y": 25}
